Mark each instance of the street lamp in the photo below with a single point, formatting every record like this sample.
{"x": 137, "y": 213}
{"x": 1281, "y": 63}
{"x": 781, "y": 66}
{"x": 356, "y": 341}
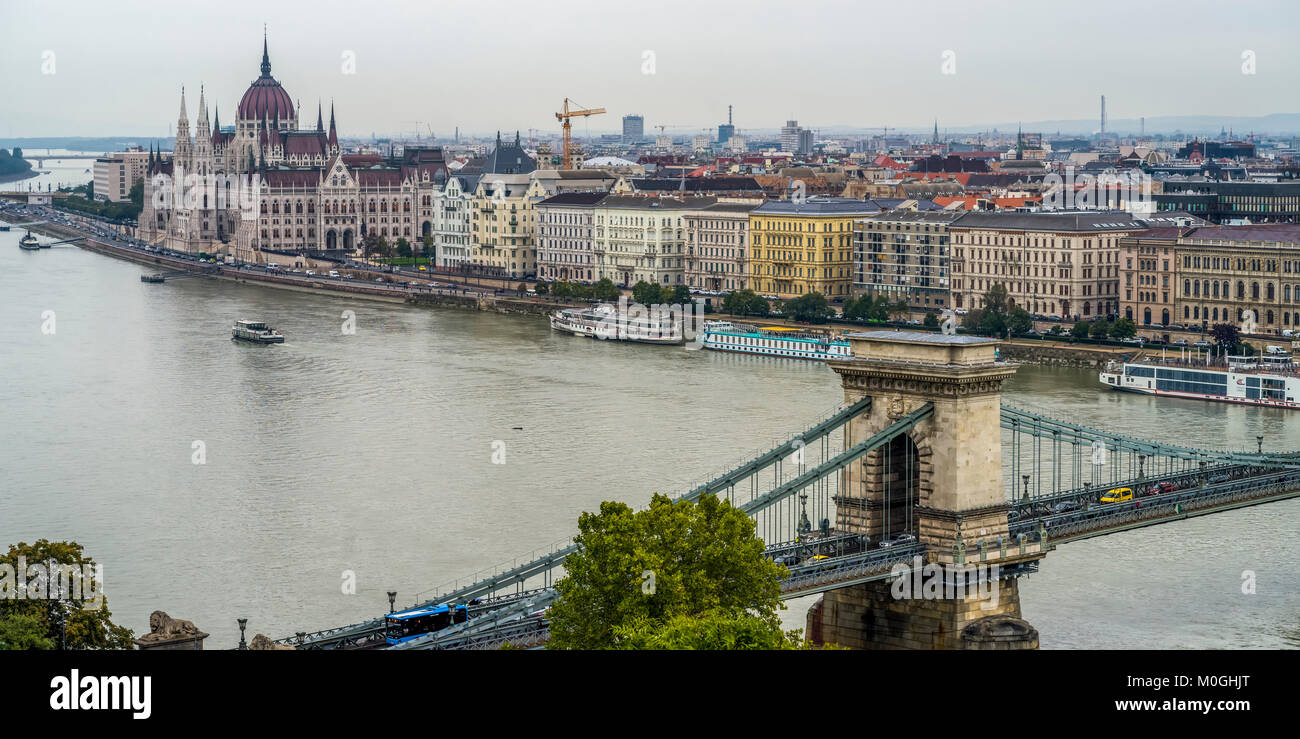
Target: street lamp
{"x": 243, "y": 623}
{"x": 1025, "y": 478}
{"x": 392, "y": 596}
{"x": 1259, "y": 441}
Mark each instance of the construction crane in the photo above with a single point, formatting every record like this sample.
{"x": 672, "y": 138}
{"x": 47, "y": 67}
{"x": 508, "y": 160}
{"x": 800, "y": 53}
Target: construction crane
{"x": 564, "y": 117}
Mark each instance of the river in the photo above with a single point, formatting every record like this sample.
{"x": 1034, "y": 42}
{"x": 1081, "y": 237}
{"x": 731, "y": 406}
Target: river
{"x": 370, "y": 456}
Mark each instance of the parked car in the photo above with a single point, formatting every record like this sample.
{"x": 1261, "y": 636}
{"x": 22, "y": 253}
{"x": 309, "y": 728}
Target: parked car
{"x": 1065, "y": 507}
{"x": 897, "y": 540}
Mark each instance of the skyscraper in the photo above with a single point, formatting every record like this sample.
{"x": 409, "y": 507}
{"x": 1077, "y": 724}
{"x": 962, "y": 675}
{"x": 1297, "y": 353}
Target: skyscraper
{"x": 633, "y": 128}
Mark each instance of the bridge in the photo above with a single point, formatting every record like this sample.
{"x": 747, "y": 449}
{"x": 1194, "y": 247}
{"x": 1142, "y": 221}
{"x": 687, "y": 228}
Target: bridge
{"x": 922, "y": 465}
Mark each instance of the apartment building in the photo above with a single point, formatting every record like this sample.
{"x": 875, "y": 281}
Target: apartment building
{"x": 717, "y": 246}
{"x": 803, "y": 246}
{"x": 118, "y": 172}
{"x": 905, "y": 255}
{"x": 639, "y": 238}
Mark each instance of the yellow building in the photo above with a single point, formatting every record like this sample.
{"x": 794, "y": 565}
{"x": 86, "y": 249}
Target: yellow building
{"x": 804, "y": 245}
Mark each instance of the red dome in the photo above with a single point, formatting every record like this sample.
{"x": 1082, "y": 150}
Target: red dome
{"x": 265, "y": 99}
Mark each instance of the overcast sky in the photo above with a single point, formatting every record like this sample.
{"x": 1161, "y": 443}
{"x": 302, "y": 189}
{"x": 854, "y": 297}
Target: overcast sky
{"x": 118, "y": 65}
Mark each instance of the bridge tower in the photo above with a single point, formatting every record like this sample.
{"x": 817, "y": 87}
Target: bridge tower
{"x": 942, "y": 483}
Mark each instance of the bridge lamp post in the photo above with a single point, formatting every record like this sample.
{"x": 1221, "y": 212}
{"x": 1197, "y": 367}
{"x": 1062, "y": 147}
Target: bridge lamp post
{"x": 392, "y": 597}
{"x": 1026, "y": 480}
{"x": 243, "y": 623}
{"x": 1259, "y": 442}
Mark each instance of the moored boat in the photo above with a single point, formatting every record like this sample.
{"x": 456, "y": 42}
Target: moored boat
{"x": 608, "y": 323}
{"x": 29, "y": 242}
{"x": 773, "y": 341}
{"x": 1271, "y": 379}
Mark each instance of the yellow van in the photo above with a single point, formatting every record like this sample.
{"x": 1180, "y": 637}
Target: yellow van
{"x": 1117, "y": 495}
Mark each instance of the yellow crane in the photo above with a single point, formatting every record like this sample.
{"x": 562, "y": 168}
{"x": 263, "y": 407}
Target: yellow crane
{"x": 564, "y": 117}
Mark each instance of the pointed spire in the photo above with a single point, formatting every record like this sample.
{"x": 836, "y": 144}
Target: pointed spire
{"x": 183, "y": 116}
{"x": 320, "y": 122}
{"x": 216, "y": 118}
{"x": 202, "y": 121}
{"x": 334, "y": 136}
{"x": 516, "y": 137}
{"x": 266, "y": 58}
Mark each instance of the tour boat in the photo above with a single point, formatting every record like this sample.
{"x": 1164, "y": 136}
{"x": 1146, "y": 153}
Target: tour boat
{"x": 607, "y": 322}
{"x": 773, "y": 341}
{"x": 256, "y": 332}
{"x": 29, "y": 242}
{"x": 1271, "y": 379}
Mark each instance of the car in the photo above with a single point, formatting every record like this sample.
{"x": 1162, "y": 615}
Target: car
{"x": 347, "y": 276}
{"x": 1219, "y": 478}
{"x": 1202, "y": 344}
{"x": 1179, "y": 342}
{"x": 897, "y": 540}
{"x": 1117, "y": 495}
{"x": 1065, "y": 507}
{"x": 333, "y": 273}
{"x": 1162, "y": 487}
{"x": 787, "y": 560}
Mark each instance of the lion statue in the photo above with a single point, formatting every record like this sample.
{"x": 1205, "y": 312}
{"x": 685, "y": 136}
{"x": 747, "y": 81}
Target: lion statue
{"x": 162, "y": 626}
{"x": 263, "y": 642}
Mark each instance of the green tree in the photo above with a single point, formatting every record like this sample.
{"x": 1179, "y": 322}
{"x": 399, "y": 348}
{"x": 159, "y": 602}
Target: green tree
{"x": 562, "y": 289}
{"x": 1123, "y": 328}
{"x": 811, "y": 307}
{"x": 1099, "y": 329}
{"x": 680, "y": 295}
{"x": 605, "y": 290}
{"x": 670, "y": 560}
{"x": 646, "y": 293}
{"x": 708, "y": 631}
{"x": 930, "y": 321}
{"x": 136, "y": 195}
{"x": 403, "y": 248}
{"x": 542, "y": 288}
{"x": 1080, "y": 330}
{"x": 745, "y": 303}
{"x": 77, "y": 622}
{"x": 427, "y": 249}
{"x": 1019, "y": 321}
{"x": 24, "y": 631}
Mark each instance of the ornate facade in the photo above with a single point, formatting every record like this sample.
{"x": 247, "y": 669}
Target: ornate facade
{"x": 301, "y": 193}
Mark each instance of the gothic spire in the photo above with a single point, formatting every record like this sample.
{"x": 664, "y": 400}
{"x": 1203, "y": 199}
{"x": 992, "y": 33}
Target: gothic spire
{"x": 334, "y": 136}
{"x": 266, "y": 58}
{"x": 320, "y": 122}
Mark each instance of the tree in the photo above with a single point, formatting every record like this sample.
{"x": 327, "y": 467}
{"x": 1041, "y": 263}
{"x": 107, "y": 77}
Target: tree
{"x": 996, "y": 298}
{"x": 646, "y": 293}
{"x": 77, "y": 620}
{"x": 427, "y": 249}
{"x": 708, "y": 631}
{"x": 136, "y": 194}
{"x": 542, "y": 288}
{"x": 403, "y": 248}
{"x": 606, "y": 290}
{"x": 1227, "y": 336}
{"x": 370, "y": 244}
{"x": 745, "y": 303}
{"x": 1019, "y": 322}
{"x": 1099, "y": 329}
{"x": 680, "y": 295}
{"x": 1080, "y": 330}
{"x": 670, "y": 560}
{"x": 930, "y": 320}
{"x": 562, "y": 289}
{"x": 1123, "y": 328}
{"x": 811, "y": 307}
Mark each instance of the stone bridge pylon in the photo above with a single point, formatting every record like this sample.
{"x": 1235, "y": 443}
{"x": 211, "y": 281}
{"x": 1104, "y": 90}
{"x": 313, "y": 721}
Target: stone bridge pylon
{"x": 942, "y": 483}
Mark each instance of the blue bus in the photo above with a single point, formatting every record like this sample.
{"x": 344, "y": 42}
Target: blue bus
{"x": 407, "y": 625}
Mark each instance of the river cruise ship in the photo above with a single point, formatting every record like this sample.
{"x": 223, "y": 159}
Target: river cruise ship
{"x": 256, "y": 332}
{"x": 1270, "y": 379}
{"x": 773, "y": 341}
{"x": 608, "y": 323}
{"x": 29, "y": 242}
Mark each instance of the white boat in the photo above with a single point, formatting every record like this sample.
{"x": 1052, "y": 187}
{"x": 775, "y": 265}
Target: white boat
{"x": 256, "y": 332}
{"x": 608, "y": 323}
{"x": 773, "y": 341}
{"x": 1271, "y": 379}
{"x": 29, "y": 242}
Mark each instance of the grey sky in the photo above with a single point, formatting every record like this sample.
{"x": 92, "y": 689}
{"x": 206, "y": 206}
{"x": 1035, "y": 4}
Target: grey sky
{"x": 508, "y": 64}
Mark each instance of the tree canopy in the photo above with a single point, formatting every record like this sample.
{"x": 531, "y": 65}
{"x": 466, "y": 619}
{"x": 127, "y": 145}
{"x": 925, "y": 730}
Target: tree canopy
{"x": 811, "y": 307}
{"x": 746, "y": 303}
{"x": 637, "y": 571}
{"x": 50, "y": 623}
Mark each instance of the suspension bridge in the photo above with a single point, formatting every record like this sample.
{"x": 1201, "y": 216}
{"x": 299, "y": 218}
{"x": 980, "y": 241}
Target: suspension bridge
{"x": 906, "y": 471}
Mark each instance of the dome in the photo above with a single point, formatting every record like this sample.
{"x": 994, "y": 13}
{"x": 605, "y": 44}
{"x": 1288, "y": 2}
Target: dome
{"x": 265, "y": 97}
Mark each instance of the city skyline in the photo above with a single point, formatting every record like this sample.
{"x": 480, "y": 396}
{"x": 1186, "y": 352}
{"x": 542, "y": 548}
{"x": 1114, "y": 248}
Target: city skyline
{"x": 525, "y": 63}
